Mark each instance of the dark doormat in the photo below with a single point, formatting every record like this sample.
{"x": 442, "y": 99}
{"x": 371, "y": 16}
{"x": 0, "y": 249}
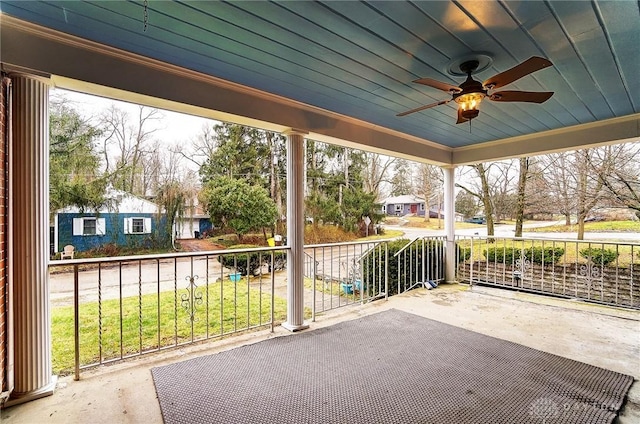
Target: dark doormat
{"x": 390, "y": 367}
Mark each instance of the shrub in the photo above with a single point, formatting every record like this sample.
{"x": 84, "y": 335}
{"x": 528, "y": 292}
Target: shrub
{"x": 434, "y": 268}
{"x": 507, "y": 255}
{"x": 537, "y": 255}
{"x": 252, "y": 262}
{"x": 544, "y": 255}
{"x": 462, "y": 254}
{"x": 599, "y": 256}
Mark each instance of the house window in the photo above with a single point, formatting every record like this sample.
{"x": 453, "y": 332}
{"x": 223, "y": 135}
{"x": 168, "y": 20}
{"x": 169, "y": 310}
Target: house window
{"x": 421, "y": 206}
{"x": 399, "y": 208}
{"x": 89, "y": 227}
{"x": 137, "y": 225}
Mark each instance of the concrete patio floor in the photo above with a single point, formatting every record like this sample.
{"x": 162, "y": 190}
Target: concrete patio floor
{"x": 598, "y": 335}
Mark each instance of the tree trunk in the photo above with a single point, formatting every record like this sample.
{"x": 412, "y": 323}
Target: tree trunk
{"x": 520, "y": 201}
{"x": 486, "y": 199}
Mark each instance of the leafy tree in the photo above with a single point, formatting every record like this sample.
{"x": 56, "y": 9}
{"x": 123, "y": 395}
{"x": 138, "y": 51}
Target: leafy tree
{"x": 356, "y": 205}
{"x": 238, "y": 205}
{"x": 74, "y": 163}
{"x": 467, "y": 204}
{"x": 320, "y": 208}
{"x": 241, "y": 152}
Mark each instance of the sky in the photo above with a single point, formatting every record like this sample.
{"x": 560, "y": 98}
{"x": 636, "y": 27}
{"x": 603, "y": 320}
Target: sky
{"x": 174, "y": 127}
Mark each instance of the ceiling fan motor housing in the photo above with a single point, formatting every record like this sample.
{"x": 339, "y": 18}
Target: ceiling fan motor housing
{"x": 471, "y": 94}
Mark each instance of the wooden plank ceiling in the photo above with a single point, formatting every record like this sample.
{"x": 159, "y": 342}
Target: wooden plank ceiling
{"x": 359, "y": 58}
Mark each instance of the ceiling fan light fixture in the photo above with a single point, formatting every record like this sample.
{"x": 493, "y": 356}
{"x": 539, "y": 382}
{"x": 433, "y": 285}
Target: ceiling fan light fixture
{"x": 468, "y": 104}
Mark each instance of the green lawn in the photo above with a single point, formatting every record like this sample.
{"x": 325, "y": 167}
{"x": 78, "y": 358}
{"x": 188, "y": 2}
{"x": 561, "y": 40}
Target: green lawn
{"x": 571, "y": 254}
{"x": 594, "y": 227}
{"x": 154, "y": 321}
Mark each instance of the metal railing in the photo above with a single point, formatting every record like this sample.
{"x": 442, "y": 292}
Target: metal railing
{"x": 594, "y": 271}
{"x": 122, "y": 307}
{"x": 341, "y": 274}
{"x": 110, "y": 309}
{"x": 420, "y": 263}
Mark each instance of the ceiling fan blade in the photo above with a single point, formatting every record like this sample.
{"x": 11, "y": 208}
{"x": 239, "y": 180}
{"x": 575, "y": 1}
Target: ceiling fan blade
{"x": 438, "y": 84}
{"x": 461, "y": 118}
{"x": 527, "y": 67}
{"x": 521, "y": 96}
{"x": 418, "y": 109}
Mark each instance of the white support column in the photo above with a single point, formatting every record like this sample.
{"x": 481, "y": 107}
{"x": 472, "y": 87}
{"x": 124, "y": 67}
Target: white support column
{"x": 449, "y": 224}
{"x": 29, "y": 238}
{"x": 295, "y": 231}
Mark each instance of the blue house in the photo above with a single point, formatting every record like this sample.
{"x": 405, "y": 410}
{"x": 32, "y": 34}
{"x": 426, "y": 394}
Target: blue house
{"x": 128, "y": 220}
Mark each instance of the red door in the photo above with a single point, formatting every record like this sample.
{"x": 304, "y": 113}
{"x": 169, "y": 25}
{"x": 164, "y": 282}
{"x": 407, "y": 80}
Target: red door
{"x": 414, "y": 208}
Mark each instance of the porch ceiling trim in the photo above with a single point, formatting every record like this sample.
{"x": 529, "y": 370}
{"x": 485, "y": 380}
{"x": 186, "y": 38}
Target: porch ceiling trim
{"x": 610, "y": 131}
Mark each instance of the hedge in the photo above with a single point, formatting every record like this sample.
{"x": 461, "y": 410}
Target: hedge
{"x": 255, "y": 260}
{"x": 537, "y": 255}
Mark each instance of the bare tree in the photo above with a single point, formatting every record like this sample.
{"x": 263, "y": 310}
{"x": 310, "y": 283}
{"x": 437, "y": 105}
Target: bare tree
{"x": 619, "y": 169}
{"x": 376, "y": 172}
{"x": 589, "y": 188}
{"x": 430, "y": 178}
{"x": 502, "y": 188}
{"x": 483, "y": 193}
{"x": 523, "y": 175}
{"x": 203, "y": 147}
{"x": 129, "y": 138}
{"x": 560, "y": 179}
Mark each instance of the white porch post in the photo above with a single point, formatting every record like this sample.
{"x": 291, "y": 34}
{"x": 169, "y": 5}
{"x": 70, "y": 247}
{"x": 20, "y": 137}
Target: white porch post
{"x": 29, "y": 239}
{"x": 449, "y": 224}
{"x": 295, "y": 231}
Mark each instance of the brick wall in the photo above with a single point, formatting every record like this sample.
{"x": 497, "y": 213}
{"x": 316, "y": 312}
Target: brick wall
{"x": 3, "y": 235}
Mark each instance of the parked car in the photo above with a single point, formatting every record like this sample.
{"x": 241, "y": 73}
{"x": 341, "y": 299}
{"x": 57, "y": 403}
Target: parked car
{"x": 476, "y": 220}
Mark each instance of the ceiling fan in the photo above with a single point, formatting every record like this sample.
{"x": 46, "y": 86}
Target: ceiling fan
{"x": 471, "y": 92}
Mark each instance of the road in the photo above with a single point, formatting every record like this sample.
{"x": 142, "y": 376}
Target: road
{"x": 136, "y": 277}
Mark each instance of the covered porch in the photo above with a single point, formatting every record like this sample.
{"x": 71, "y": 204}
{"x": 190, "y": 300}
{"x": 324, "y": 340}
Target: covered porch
{"x": 598, "y": 335}
{"x": 346, "y": 86}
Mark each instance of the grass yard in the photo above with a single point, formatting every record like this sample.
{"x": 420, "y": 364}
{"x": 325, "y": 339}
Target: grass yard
{"x": 593, "y": 227}
{"x": 136, "y": 325}
{"x": 419, "y": 222}
{"x": 571, "y": 254}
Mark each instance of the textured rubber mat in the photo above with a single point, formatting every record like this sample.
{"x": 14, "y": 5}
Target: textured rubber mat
{"x": 390, "y": 367}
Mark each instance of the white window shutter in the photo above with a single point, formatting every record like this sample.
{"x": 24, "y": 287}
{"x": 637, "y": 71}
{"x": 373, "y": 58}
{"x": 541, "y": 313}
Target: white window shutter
{"x": 147, "y": 225}
{"x": 78, "y": 227}
{"x": 127, "y": 225}
{"x": 101, "y": 226}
